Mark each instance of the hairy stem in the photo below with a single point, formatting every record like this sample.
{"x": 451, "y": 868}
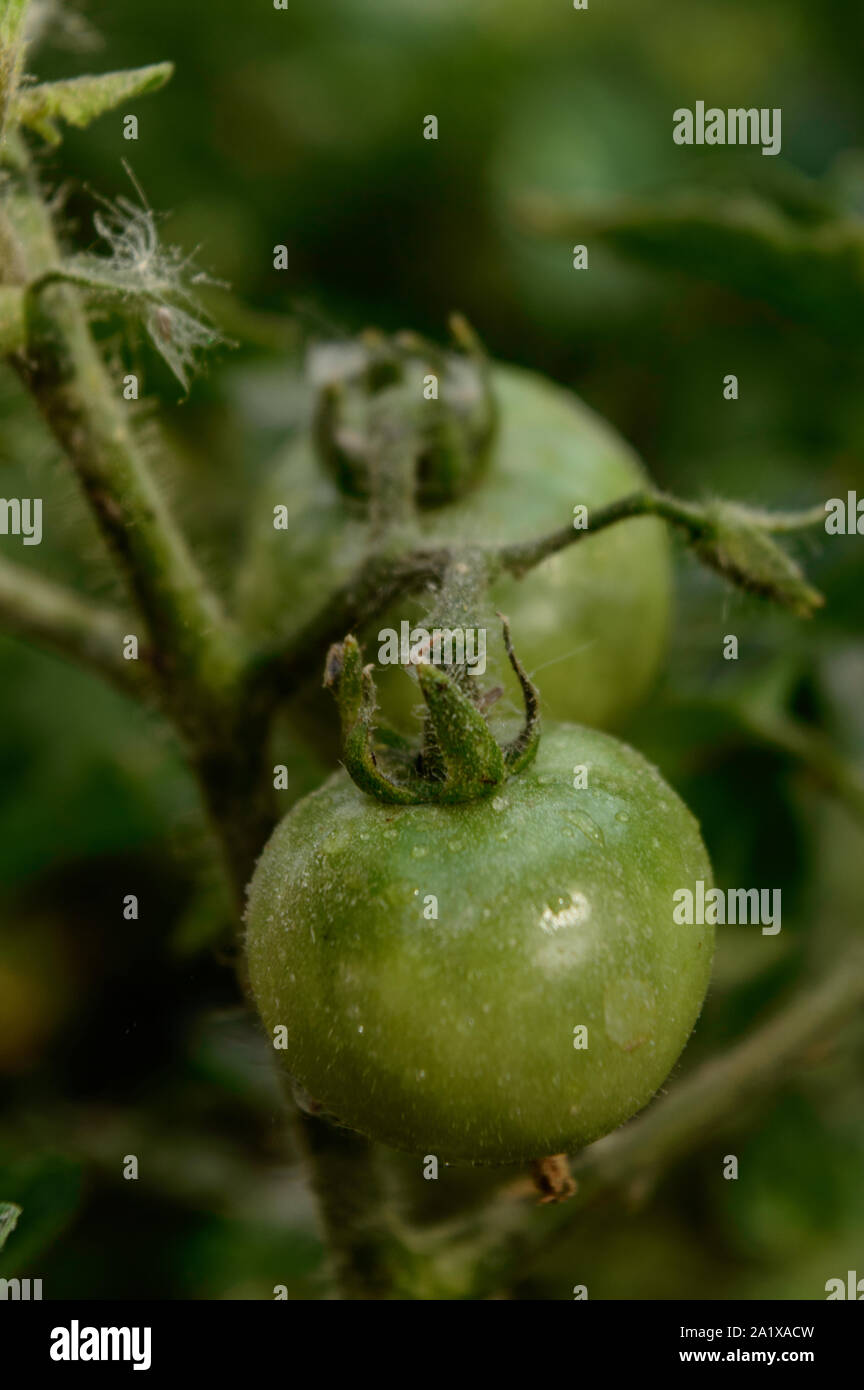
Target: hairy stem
{"x": 12, "y": 21}
{"x": 518, "y": 559}
{"x": 280, "y": 669}
{"x": 365, "y": 1251}
{"x": 38, "y": 610}
{"x": 384, "y": 578}
{"x": 64, "y": 371}
{"x": 196, "y": 655}
{"x": 230, "y": 763}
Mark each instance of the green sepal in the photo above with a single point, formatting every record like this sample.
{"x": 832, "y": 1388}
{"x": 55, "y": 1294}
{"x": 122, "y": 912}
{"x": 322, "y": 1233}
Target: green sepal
{"x": 460, "y": 760}
{"x": 523, "y": 748}
{"x": 354, "y": 690}
{"x": 470, "y": 760}
{"x": 735, "y": 544}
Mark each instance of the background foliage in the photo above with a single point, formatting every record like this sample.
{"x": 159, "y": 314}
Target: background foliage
{"x": 303, "y": 127}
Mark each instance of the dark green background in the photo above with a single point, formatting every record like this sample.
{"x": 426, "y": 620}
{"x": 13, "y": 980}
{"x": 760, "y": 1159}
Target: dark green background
{"x": 304, "y": 127}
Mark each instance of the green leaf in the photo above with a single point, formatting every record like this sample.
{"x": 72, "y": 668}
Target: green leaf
{"x": 809, "y": 268}
{"x": 80, "y": 100}
{"x": 49, "y": 1188}
{"x": 9, "y": 1214}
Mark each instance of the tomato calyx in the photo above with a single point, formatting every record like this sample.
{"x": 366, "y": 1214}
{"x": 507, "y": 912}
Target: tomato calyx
{"x": 460, "y": 759}
{"x": 399, "y": 422}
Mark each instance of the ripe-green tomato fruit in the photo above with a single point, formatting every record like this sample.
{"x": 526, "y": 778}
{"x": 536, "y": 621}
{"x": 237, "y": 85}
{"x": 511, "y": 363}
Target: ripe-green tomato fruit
{"x": 432, "y": 965}
{"x": 592, "y": 619}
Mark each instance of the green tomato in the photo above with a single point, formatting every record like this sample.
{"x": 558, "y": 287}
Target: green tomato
{"x": 433, "y": 967}
{"x": 590, "y": 623}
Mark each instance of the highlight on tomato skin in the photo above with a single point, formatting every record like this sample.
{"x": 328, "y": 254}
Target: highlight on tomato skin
{"x": 489, "y": 982}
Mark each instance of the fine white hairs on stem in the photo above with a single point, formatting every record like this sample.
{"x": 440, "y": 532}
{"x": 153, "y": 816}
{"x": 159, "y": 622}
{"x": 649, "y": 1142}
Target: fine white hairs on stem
{"x": 155, "y": 282}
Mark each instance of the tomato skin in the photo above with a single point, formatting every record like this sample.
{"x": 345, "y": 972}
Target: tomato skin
{"x": 591, "y": 622}
{"x": 454, "y": 1035}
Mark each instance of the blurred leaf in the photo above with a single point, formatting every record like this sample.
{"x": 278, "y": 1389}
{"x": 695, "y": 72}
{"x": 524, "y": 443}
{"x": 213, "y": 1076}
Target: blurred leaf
{"x": 246, "y": 1260}
{"x": 80, "y": 100}
{"x": 209, "y": 915}
{"x": 120, "y": 779}
{"x": 812, "y": 272}
{"x": 48, "y": 1189}
{"x": 778, "y": 1207}
{"x": 9, "y": 1214}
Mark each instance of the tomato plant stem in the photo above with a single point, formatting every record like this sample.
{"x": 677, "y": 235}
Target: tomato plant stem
{"x": 38, "y": 610}
{"x": 365, "y": 1251}
{"x": 84, "y": 409}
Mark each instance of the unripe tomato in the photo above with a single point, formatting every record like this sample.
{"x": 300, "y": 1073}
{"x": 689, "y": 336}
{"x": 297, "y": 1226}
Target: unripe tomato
{"x": 594, "y": 617}
{"x": 433, "y": 966}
